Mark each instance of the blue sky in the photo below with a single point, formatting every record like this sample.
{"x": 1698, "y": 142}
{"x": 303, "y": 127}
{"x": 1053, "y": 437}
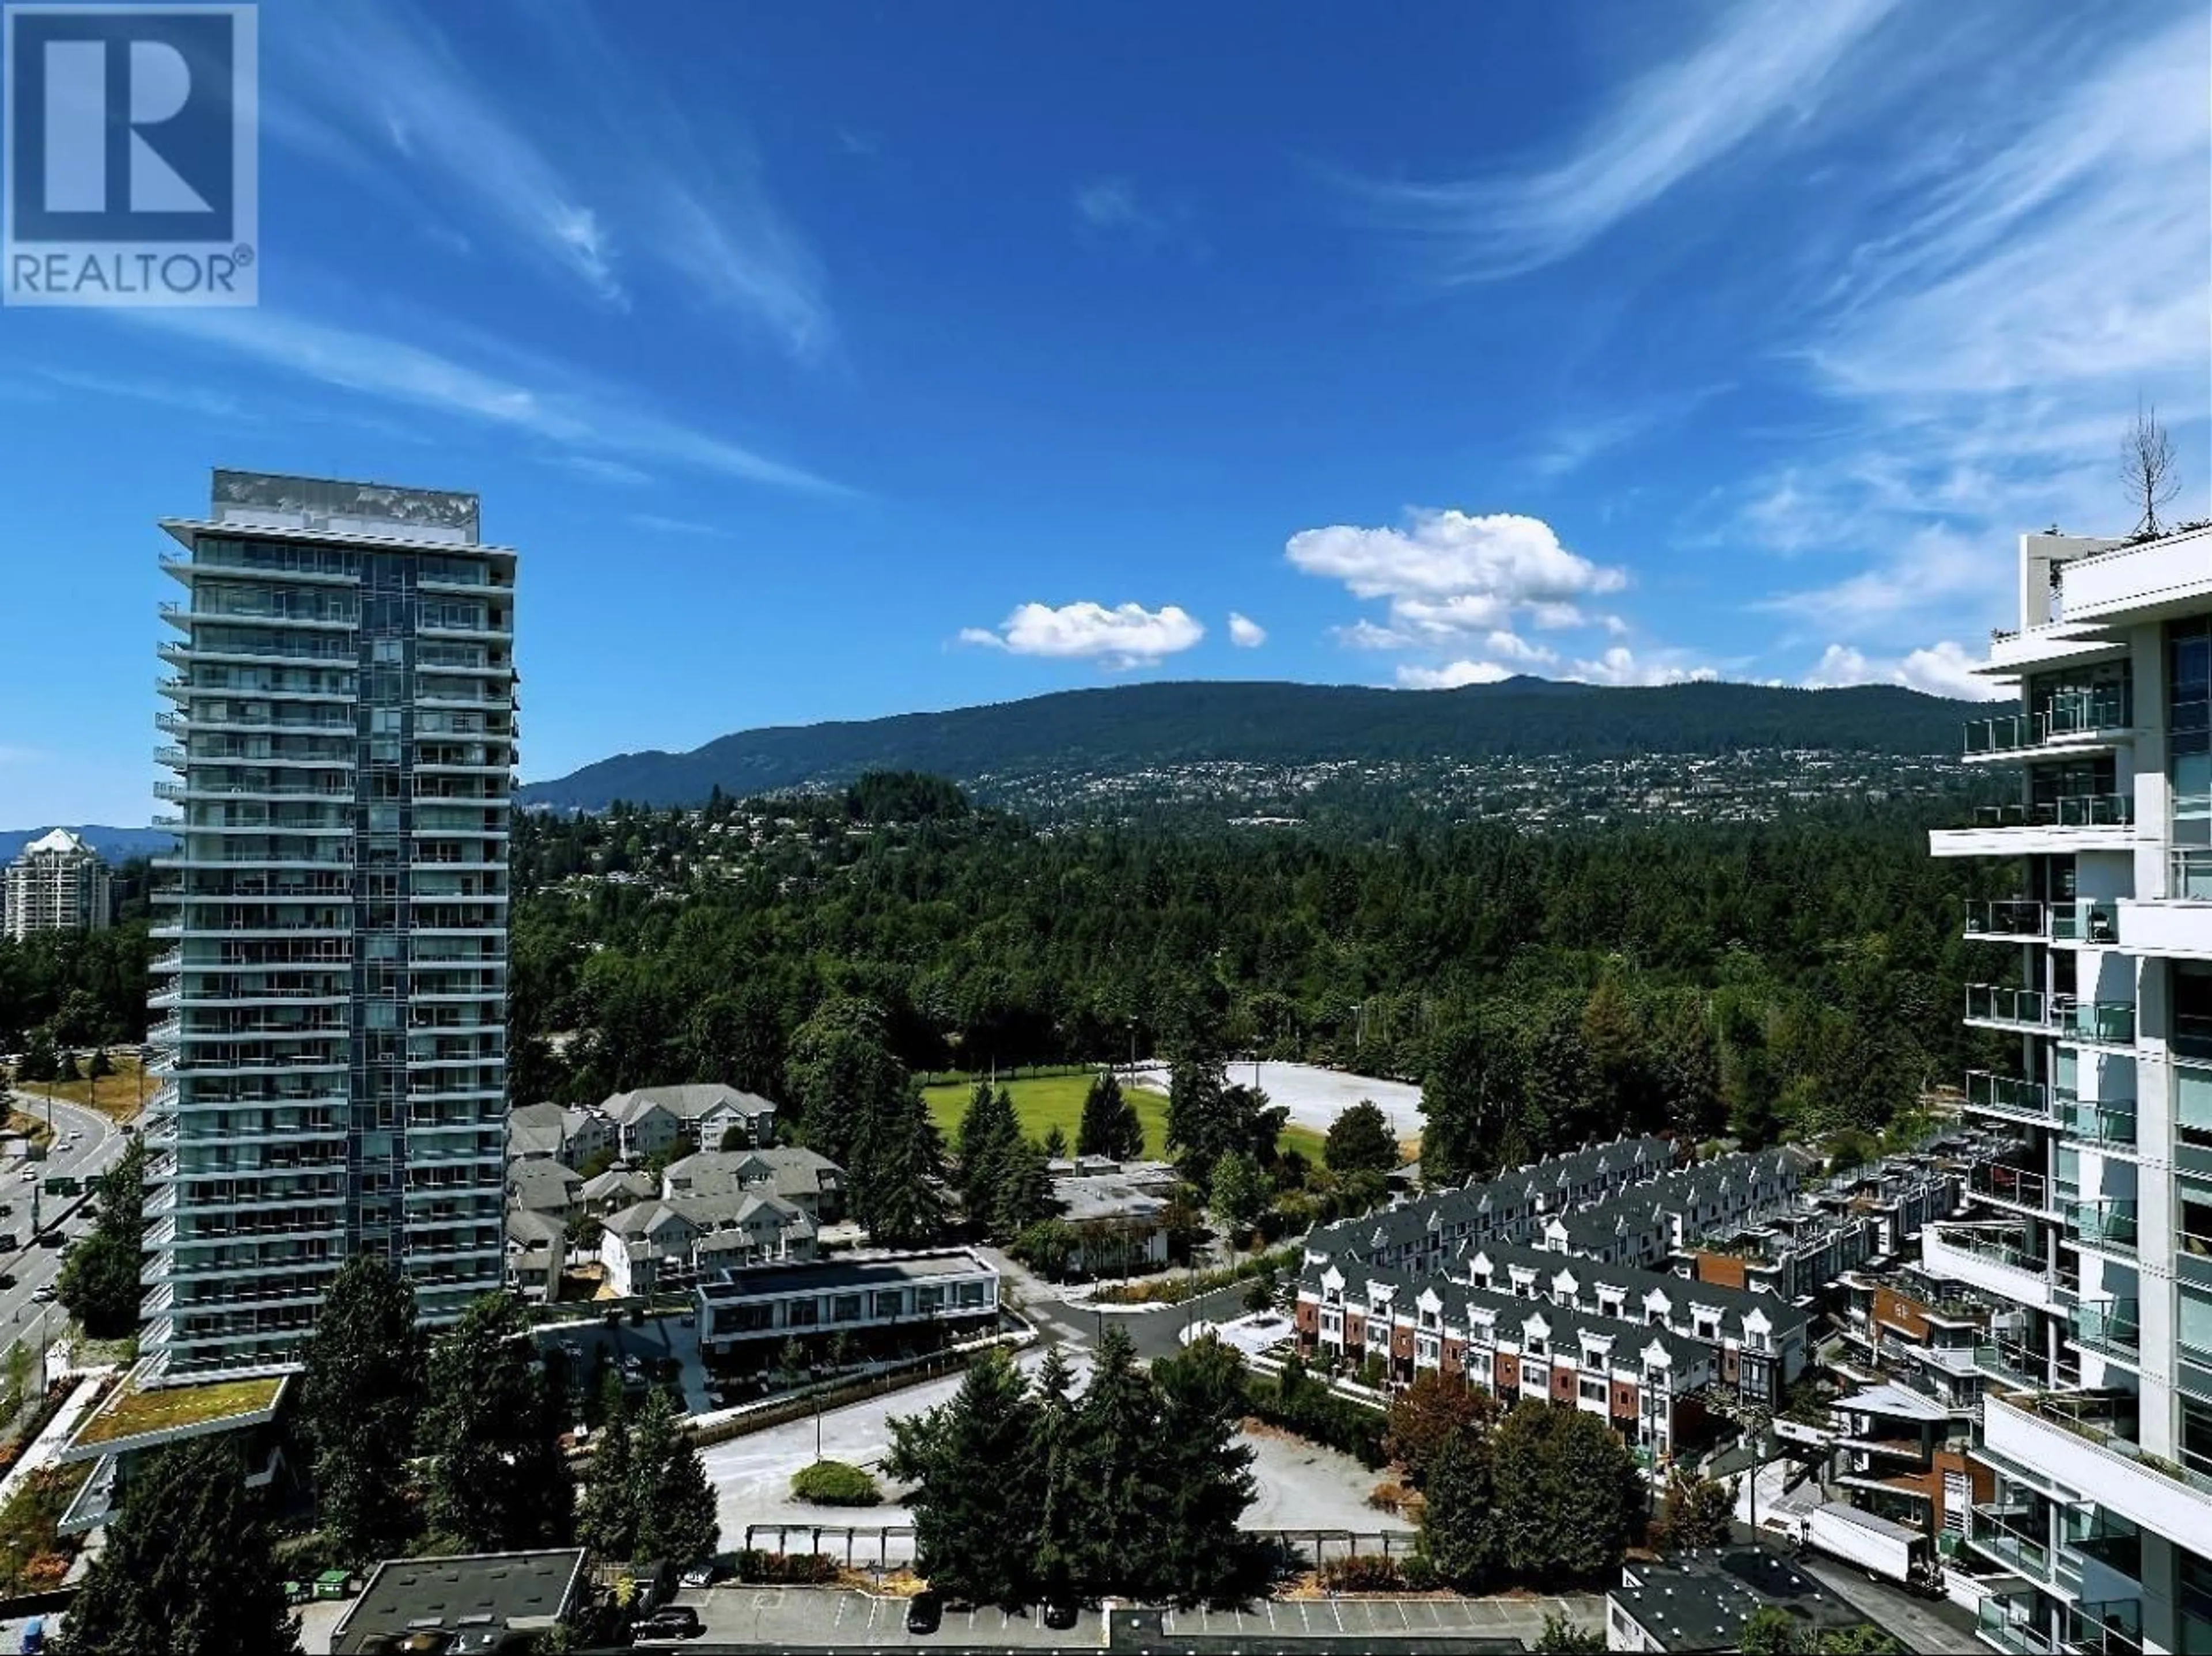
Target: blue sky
{"x": 839, "y": 360}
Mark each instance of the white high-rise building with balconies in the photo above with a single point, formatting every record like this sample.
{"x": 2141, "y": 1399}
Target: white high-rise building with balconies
{"x": 331, "y": 992}
{"x": 2096, "y": 1422}
{"x": 59, "y": 884}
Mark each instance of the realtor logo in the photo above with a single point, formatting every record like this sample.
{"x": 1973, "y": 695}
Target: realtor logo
{"x": 132, "y": 164}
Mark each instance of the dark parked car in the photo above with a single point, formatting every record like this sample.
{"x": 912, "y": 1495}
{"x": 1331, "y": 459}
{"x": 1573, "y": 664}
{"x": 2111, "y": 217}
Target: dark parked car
{"x": 1059, "y": 1614}
{"x": 924, "y": 1611}
{"x": 669, "y": 1622}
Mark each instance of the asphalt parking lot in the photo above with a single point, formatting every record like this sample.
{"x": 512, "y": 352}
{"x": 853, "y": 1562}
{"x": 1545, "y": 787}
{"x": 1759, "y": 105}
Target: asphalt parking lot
{"x": 831, "y": 1618}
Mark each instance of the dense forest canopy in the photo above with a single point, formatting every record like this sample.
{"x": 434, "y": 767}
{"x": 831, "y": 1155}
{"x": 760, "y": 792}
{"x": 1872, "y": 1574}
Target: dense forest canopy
{"x": 1801, "y": 974}
{"x": 1698, "y": 976}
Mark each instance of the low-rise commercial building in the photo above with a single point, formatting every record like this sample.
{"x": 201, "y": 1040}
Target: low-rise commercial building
{"x": 882, "y": 1306}
{"x": 476, "y": 1602}
{"x": 1699, "y": 1601}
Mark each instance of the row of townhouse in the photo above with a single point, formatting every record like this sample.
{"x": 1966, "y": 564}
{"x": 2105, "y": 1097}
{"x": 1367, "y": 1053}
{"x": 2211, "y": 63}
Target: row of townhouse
{"x": 1763, "y": 1343}
{"x": 640, "y": 1124}
{"x": 1646, "y": 1224}
{"x": 1643, "y": 1378}
{"x": 709, "y": 1211}
{"x": 1865, "y": 1217}
{"x": 1425, "y": 1234}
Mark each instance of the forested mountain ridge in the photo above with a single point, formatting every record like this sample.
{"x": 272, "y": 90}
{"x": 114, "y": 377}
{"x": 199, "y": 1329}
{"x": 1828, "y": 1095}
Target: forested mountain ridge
{"x": 1131, "y": 727}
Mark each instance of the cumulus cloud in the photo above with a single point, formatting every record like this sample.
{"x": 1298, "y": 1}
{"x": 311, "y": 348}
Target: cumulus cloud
{"x": 1452, "y": 577}
{"x": 1621, "y": 665}
{"x": 1128, "y": 635}
{"x": 1245, "y": 632}
{"x": 1451, "y": 674}
{"x": 1941, "y": 668}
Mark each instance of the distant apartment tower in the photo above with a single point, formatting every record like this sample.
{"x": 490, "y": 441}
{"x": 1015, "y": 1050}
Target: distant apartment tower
{"x": 57, "y": 884}
{"x": 2093, "y": 1237}
{"x": 332, "y": 995}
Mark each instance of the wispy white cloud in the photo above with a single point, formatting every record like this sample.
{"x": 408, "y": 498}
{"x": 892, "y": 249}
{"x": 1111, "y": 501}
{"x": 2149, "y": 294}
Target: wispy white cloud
{"x": 1245, "y": 632}
{"x": 162, "y": 393}
{"x": 1128, "y": 635}
{"x": 600, "y": 470}
{"x": 1941, "y": 668}
{"x": 655, "y": 523}
{"x": 618, "y": 183}
{"x": 575, "y": 416}
{"x": 1765, "y": 63}
{"x": 381, "y": 71}
{"x": 1117, "y": 208}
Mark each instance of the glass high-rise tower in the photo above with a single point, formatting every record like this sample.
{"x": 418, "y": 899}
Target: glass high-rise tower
{"x": 332, "y": 989}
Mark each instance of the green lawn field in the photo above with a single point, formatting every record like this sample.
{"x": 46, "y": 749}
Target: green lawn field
{"x": 1049, "y": 1102}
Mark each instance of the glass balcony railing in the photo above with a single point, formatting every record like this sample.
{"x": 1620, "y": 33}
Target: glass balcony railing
{"x": 2085, "y": 919}
{"x": 2006, "y": 1623}
{"x": 1997, "y": 1003}
{"x": 2031, "y": 1099}
{"x": 2110, "y": 1326}
{"x": 2002, "y": 1533}
{"x": 2081, "y": 810}
{"x": 2065, "y": 716}
{"x": 2110, "y": 1225}
{"x": 2110, "y": 1022}
{"x": 2001, "y": 1182}
{"x": 2110, "y": 1627}
{"x": 2005, "y": 917}
{"x": 2189, "y": 877}
{"x": 2106, "y": 1122}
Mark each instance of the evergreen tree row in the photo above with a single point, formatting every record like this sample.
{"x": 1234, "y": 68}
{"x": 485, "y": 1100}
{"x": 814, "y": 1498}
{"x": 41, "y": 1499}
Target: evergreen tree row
{"x": 1029, "y": 1490}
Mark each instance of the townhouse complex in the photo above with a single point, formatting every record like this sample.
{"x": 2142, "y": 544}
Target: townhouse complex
{"x": 2088, "y": 1245}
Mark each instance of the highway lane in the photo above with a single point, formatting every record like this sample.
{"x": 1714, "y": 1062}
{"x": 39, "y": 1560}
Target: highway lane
{"x": 100, "y": 1144}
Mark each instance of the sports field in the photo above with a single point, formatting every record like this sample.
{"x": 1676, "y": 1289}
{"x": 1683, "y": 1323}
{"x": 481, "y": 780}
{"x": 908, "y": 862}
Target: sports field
{"x": 1048, "y": 1102}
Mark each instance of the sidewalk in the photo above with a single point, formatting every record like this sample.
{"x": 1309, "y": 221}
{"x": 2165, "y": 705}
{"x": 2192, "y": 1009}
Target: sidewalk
{"x": 49, "y": 1441}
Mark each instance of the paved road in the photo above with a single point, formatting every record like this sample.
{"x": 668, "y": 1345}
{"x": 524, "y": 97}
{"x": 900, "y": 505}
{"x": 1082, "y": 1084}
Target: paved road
{"x": 99, "y": 1146}
{"x": 1920, "y": 1624}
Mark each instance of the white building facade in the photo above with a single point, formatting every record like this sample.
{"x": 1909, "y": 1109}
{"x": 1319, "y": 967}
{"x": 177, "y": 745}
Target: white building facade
{"x": 2096, "y": 1234}
{"x": 59, "y": 884}
{"x": 332, "y": 984}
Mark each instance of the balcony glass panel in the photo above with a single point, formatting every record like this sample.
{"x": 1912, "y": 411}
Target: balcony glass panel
{"x": 2005, "y": 917}
{"x": 2111, "y": 1326}
{"x": 1985, "y": 1091}
{"x": 2092, "y": 920}
{"x": 1998, "y": 1003}
{"x": 2084, "y": 810}
{"x": 2105, "y": 1122}
{"x": 2108, "y": 1021}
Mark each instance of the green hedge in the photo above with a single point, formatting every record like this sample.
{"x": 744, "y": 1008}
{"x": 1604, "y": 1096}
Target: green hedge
{"x": 836, "y": 1484}
{"x": 1300, "y": 1403}
{"x": 788, "y": 1569}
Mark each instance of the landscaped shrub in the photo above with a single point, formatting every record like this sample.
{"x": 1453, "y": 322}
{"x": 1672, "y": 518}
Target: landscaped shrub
{"x": 1420, "y": 1574}
{"x": 1364, "y": 1572}
{"x": 836, "y": 1484}
{"x": 788, "y": 1569}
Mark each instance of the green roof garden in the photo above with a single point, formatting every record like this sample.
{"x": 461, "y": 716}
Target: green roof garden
{"x": 136, "y": 1410}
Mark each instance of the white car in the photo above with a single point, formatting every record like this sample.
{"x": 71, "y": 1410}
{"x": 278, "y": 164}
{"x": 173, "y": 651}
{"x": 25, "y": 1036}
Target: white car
{"x": 42, "y": 1295}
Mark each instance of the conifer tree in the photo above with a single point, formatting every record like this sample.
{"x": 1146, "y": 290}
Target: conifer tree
{"x": 975, "y": 1504}
{"x": 672, "y": 1505}
{"x": 497, "y": 1480}
{"x": 360, "y": 1397}
{"x": 189, "y": 1569}
{"x": 606, "y": 1517}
